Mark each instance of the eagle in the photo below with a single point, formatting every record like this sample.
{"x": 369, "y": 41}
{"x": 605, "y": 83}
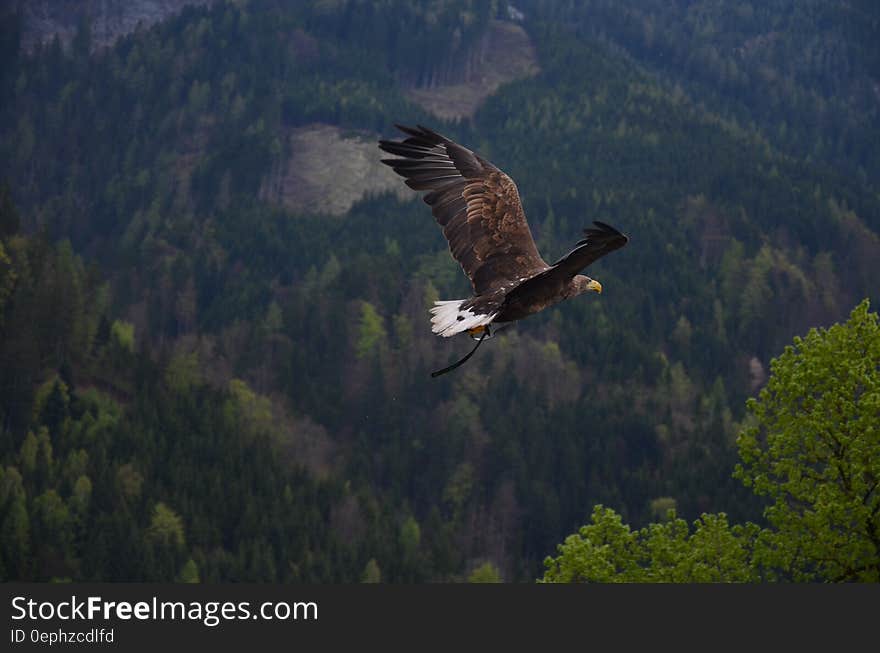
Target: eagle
{"x": 478, "y": 208}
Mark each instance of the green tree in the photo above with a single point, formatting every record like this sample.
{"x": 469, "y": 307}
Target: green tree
{"x": 55, "y": 408}
{"x": 183, "y": 372}
{"x": 15, "y": 527}
{"x": 189, "y": 573}
{"x": 485, "y": 573}
{"x": 52, "y": 533}
{"x": 123, "y": 333}
{"x": 81, "y": 495}
{"x": 248, "y": 408}
{"x": 813, "y": 448}
{"x": 129, "y": 481}
{"x": 814, "y": 451}
{"x": 371, "y": 331}
{"x": 608, "y": 551}
{"x": 372, "y": 573}
{"x": 27, "y": 455}
{"x": 166, "y": 527}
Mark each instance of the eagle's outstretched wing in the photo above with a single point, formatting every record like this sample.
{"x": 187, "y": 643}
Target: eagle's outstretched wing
{"x": 600, "y": 240}
{"x": 476, "y": 204}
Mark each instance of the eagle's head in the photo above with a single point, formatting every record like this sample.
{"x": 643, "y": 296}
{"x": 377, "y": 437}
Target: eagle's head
{"x": 582, "y": 283}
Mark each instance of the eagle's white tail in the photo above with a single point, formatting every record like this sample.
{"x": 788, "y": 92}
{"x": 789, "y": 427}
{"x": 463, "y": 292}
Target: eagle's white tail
{"x": 449, "y": 319}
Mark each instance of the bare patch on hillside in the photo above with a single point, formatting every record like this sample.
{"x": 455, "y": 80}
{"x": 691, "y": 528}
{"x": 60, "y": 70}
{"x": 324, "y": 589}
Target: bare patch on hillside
{"x": 328, "y": 170}
{"x": 503, "y": 55}
{"x": 42, "y": 20}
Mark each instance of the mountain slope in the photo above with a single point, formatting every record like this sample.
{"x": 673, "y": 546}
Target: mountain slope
{"x": 43, "y": 20}
{"x": 157, "y": 159}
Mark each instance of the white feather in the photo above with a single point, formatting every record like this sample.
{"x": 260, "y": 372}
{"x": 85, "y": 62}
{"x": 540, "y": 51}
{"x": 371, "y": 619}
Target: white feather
{"x": 448, "y": 318}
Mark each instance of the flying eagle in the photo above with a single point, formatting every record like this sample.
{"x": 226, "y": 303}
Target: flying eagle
{"x": 478, "y": 207}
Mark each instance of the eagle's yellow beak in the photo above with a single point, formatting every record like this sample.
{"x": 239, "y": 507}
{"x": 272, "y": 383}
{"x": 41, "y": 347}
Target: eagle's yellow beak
{"x": 595, "y": 286}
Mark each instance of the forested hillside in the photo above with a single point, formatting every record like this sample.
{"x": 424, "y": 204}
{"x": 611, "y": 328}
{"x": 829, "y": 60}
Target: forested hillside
{"x": 203, "y": 380}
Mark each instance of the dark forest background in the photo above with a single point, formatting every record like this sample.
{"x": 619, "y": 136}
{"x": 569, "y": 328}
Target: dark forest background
{"x": 200, "y": 381}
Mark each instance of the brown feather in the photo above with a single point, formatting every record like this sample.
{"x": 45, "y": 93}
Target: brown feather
{"x": 476, "y": 204}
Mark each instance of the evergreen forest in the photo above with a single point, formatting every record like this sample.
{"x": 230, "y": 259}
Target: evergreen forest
{"x": 205, "y": 377}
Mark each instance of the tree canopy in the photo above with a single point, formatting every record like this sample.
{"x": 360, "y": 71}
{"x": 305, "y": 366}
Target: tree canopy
{"x": 813, "y": 448}
{"x": 814, "y": 452}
